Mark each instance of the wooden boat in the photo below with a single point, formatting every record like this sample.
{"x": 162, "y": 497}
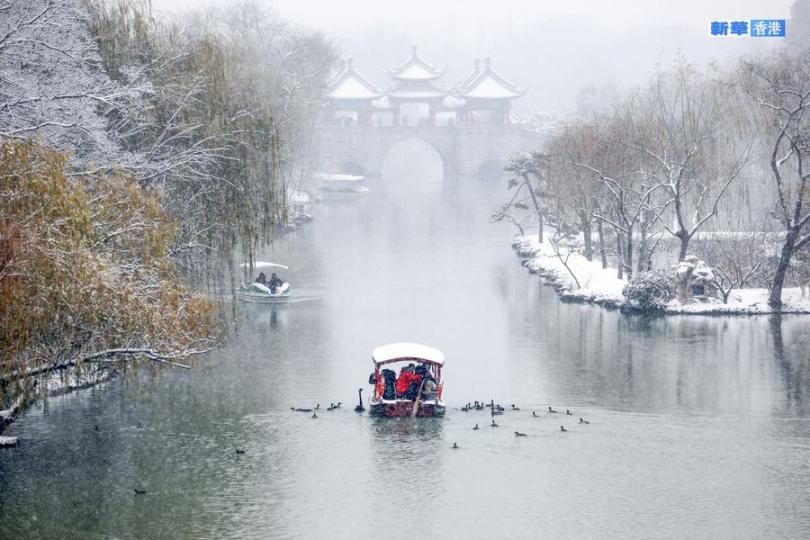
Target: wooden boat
{"x": 424, "y": 397}
{"x": 258, "y": 293}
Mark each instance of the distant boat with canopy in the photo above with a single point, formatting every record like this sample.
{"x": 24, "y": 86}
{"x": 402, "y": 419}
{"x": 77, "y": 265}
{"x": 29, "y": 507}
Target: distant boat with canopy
{"x": 341, "y": 183}
{"x": 258, "y": 292}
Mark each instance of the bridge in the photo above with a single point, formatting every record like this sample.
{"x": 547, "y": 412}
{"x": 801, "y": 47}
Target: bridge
{"x": 470, "y": 125}
{"x": 464, "y": 150}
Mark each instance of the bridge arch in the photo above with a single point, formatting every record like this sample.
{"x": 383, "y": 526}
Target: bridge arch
{"x": 416, "y": 162}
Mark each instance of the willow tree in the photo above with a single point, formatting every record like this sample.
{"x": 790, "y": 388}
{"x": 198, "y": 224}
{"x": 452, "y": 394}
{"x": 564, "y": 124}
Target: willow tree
{"x": 85, "y": 276}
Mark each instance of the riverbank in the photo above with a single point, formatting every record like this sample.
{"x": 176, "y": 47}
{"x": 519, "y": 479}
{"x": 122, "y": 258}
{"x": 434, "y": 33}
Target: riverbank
{"x": 600, "y": 286}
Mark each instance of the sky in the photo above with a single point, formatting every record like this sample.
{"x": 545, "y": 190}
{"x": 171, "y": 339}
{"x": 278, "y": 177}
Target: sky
{"x": 554, "y": 49}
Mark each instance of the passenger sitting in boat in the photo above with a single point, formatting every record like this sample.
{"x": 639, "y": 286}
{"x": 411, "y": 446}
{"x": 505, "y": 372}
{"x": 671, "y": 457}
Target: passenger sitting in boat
{"x": 429, "y": 390}
{"x": 275, "y": 282}
{"x": 406, "y": 382}
{"x": 390, "y": 384}
{"x": 261, "y": 279}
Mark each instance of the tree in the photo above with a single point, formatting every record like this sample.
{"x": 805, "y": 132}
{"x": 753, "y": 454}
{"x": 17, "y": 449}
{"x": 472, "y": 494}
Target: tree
{"x": 530, "y": 172}
{"x": 780, "y": 86}
{"x": 85, "y": 276}
{"x": 684, "y": 124}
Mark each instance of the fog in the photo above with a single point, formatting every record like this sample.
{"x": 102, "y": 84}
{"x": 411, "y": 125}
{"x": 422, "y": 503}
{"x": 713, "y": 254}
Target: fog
{"x": 556, "y": 50}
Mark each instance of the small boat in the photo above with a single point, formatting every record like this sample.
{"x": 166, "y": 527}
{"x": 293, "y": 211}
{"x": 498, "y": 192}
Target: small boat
{"x": 259, "y": 293}
{"x": 341, "y": 183}
{"x": 421, "y": 364}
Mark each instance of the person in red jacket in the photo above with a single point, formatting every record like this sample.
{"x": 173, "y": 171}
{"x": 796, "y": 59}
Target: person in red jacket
{"x": 408, "y": 380}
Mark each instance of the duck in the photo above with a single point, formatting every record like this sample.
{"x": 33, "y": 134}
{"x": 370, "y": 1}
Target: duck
{"x": 314, "y": 415}
{"x": 338, "y": 404}
{"x": 298, "y": 409}
{"x": 583, "y": 421}
{"x": 476, "y": 427}
{"x": 240, "y": 451}
{"x": 493, "y": 424}
{"x": 534, "y": 414}
{"x": 317, "y": 406}
{"x": 519, "y": 434}
{"x": 360, "y": 407}
{"x": 499, "y": 408}
{"x": 551, "y": 410}
{"x": 515, "y": 408}
{"x": 455, "y": 446}
{"x": 140, "y": 491}
{"x": 562, "y": 428}
{"x": 569, "y": 413}
{"x": 497, "y": 412}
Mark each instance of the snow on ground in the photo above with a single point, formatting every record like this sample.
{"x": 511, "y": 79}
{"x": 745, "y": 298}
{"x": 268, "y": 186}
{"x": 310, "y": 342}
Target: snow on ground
{"x": 600, "y": 285}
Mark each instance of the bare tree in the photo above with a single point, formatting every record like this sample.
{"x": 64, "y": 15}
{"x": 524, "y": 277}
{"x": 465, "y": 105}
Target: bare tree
{"x": 780, "y": 86}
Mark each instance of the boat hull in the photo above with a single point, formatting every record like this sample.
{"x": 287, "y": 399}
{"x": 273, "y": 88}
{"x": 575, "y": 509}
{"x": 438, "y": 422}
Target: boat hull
{"x": 259, "y": 298}
{"x": 403, "y": 408}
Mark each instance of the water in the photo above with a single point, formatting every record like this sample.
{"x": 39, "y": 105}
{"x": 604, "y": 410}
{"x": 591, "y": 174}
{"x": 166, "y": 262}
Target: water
{"x": 699, "y": 426}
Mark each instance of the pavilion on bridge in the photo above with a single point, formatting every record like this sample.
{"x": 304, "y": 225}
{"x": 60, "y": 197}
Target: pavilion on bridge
{"x": 416, "y": 99}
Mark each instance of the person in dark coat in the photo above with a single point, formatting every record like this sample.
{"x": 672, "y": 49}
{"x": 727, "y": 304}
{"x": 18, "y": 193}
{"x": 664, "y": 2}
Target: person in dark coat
{"x": 261, "y": 279}
{"x": 275, "y": 282}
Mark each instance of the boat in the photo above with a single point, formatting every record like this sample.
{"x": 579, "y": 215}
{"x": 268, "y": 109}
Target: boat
{"x": 258, "y": 293}
{"x": 341, "y": 183}
{"x": 426, "y": 401}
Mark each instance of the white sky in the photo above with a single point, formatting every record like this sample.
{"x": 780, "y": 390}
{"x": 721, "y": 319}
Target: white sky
{"x": 554, "y": 48}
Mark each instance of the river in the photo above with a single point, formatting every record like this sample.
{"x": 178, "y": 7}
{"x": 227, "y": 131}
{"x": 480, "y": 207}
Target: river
{"x": 698, "y": 427}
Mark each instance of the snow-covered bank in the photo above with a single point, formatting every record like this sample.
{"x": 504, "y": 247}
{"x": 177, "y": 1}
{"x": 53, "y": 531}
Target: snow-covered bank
{"x": 600, "y": 285}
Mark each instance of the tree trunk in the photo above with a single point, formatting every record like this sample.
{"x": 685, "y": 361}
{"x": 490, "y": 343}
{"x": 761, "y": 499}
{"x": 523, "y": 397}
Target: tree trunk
{"x": 620, "y": 255}
{"x": 642, "y": 250}
{"x": 628, "y": 257}
{"x": 775, "y": 299}
{"x": 684, "y": 237}
{"x": 585, "y": 225}
{"x": 601, "y": 234}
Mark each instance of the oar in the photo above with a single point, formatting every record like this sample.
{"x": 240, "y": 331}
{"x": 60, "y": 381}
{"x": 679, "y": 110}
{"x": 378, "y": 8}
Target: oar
{"x": 418, "y": 398}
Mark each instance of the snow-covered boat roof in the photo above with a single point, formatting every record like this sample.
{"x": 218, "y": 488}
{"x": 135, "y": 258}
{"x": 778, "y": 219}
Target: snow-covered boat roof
{"x": 264, "y": 264}
{"x": 339, "y": 177}
{"x": 394, "y": 352}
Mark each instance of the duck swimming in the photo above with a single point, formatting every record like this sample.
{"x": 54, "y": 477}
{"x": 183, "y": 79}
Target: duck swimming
{"x": 239, "y": 451}
{"x": 493, "y": 424}
{"x": 476, "y": 427}
{"x": 298, "y": 409}
{"x": 582, "y": 421}
{"x": 534, "y": 414}
{"x": 455, "y": 445}
{"x": 551, "y": 410}
{"x": 314, "y": 415}
{"x": 515, "y": 408}
{"x": 562, "y": 428}
{"x": 519, "y": 434}
{"x": 569, "y": 413}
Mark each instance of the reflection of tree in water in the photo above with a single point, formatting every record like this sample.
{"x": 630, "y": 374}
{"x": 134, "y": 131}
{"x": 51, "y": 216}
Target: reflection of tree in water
{"x": 791, "y": 360}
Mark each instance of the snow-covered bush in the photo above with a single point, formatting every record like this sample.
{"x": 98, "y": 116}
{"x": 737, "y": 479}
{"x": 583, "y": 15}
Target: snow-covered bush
{"x": 649, "y": 291}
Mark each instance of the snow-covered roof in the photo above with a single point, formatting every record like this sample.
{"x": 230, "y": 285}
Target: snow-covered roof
{"x": 349, "y": 84}
{"x": 487, "y": 84}
{"x": 416, "y": 69}
{"x": 407, "y": 351}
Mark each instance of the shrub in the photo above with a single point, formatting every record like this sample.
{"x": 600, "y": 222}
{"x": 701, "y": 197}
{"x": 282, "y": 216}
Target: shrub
{"x": 649, "y": 291}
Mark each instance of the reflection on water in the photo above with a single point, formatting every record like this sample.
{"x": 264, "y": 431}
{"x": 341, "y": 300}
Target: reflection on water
{"x": 698, "y": 425}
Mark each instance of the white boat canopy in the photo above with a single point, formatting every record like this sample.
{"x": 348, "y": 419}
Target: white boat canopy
{"x": 395, "y": 352}
{"x": 263, "y": 264}
{"x": 339, "y": 177}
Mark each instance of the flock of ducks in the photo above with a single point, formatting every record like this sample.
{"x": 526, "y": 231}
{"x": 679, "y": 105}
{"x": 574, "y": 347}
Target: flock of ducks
{"x": 496, "y": 409}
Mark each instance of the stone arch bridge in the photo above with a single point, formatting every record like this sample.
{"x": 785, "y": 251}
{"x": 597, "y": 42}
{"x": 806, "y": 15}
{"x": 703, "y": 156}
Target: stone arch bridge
{"x": 464, "y": 150}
